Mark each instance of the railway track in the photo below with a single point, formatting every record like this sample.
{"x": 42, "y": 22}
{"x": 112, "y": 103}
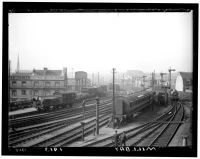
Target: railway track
{"x": 107, "y": 142}
{"x": 67, "y": 133}
{"x": 50, "y": 116}
{"x": 71, "y": 136}
{"x": 56, "y": 121}
{"x": 76, "y": 105}
{"x": 31, "y": 132}
{"x": 169, "y": 130}
{"x": 160, "y": 134}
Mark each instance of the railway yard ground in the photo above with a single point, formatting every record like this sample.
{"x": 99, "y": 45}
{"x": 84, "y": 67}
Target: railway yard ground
{"x": 106, "y": 132}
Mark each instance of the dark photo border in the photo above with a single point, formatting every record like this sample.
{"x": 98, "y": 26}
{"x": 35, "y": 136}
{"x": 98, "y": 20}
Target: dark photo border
{"x": 46, "y": 7}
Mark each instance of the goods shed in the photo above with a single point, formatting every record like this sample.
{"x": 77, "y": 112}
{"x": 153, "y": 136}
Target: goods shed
{"x": 184, "y": 82}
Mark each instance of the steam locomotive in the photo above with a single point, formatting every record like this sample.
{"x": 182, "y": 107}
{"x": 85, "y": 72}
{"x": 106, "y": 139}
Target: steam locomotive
{"x": 67, "y": 99}
{"x": 163, "y": 98}
{"x": 174, "y": 97}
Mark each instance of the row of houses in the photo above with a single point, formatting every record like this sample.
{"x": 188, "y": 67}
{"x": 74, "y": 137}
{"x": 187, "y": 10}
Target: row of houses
{"x": 29, "y": 84}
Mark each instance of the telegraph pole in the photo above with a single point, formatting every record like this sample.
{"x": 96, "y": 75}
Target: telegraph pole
{"x": 72, "y": 72}
{"x": 123, "y": 81}
{"x": 98, "y": 78}
{"x": 65, "y": 78}
{"x": 162, "y": 80}
{"x": 143, "y": 82}
{"x": 9, "y": 68}
{"x": 132, "y": 82}
{"x": 113, "y": 109}
{"x": 165, "y": 88}
{"x": 152, "y": 81}
{"x": 170, "y": 70}
{"x": 154, "y": 77}
{"x": 92, "y": 79}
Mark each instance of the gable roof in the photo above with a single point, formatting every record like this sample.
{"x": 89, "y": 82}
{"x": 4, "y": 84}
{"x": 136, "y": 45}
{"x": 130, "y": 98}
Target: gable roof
{"x": 48, "y": 72}
{"x": 186, "y": 75}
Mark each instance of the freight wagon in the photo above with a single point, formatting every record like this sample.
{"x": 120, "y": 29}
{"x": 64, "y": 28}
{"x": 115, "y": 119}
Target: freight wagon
{"x": 59, "y": 101}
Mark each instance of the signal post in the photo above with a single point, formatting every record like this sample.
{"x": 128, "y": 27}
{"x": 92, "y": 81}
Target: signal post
{"x": 97, "y": 115}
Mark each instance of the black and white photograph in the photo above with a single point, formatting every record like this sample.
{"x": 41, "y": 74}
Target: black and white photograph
{"x": 100, "y": 77}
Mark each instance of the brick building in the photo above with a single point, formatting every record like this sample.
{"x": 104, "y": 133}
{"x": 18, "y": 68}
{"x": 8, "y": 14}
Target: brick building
{"x": 26, "y": 85}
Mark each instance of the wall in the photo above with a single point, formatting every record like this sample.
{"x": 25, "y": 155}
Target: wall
{"x": 179, "y": 83}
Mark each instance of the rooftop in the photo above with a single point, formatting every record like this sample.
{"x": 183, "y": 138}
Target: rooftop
{"x": 186, "y": 75}
{"x": 47, "y": 72}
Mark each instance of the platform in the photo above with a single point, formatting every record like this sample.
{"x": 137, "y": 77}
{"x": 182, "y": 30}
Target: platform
{"x": 22, "y": 111}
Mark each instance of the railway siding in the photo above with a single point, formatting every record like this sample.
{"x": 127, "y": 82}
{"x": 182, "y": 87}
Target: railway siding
{"x": 167, "y": 134}
{"x": 106, "y": 137}
{"x": 54, "y": 134}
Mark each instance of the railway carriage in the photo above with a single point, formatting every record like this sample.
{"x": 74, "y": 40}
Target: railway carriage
{"x": 127, "y": 106}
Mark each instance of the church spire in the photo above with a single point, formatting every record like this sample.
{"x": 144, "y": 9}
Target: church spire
{"x": 18, "y": 64}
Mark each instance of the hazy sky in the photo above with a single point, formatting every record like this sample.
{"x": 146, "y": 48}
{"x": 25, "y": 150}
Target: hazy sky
{"x": 100, "y": 41}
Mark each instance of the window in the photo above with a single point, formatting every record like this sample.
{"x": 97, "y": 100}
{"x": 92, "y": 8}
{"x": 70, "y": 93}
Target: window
{"x": 47, "y": 93}
{"x": 69, "y": 88}
{"x": 188, "y": 84}
{"x": 23, "y": 83}
{"x": 14, "y": 92}
{"x": 14, "y": 83}
{"x": 23, "y": 92}
{"x": 47, "y": 84}
{"x": 36, "y": 83}
{"x": 57, "y": 84}
{"x": 56, "y": 92}
{"x": 36, "y": 93}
